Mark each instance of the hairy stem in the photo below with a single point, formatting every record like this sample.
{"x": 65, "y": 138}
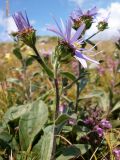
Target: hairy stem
{"x": 57, "y": 99}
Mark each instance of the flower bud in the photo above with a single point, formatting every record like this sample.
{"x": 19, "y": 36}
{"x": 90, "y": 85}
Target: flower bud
{"x": 102, "y": 25}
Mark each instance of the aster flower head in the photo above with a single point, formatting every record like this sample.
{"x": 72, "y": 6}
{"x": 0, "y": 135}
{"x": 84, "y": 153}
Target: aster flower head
{"x": 21, "y": 21}
{"x": 116, "y": 153}
{"x": 71, "y": 45}
{"x": 105, "y": 124}
{"x": 62, "y": 108}
{"x": 89, "y": 121}
{"x": 103, "y": 24}
{"x": 78, "y": 17}
{"x": 99, "y": 130}
{"x": 72, "y": 121}
{"x": 25, "y": 31}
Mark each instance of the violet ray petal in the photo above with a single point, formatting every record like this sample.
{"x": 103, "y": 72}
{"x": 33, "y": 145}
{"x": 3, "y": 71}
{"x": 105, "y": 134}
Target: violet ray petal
{"x": 27, "y": 19}
{"x": 73, "y": 16}
{"x": 58, "y": 27}
{"x": 68, "y": 30}
{"x": 93, "y": 11}
{"x": 78, "y": 33}
{"x": 63, "y": 26}
{"x": 89, "y": 59}
{"x": 108, "y": 16}
{"x": 63, "y": 30}
{"x": 79, "y": 12}
{"x": 23, "y": 20}
{"x": 82, "y": 61}
{"x": 80, "y": 55}
{"x": 53, "y": 29}
{"x": 18, "y": 21}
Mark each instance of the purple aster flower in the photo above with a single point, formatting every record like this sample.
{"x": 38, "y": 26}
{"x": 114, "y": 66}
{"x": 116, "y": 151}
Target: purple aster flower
{"x": 89, "y": 121}
{"x": 21, "y": 21}
{"x": 72, "y": 121}
{"x": 87, "y": 17}
{"x": 62, "y": 108}
{"x": 105, "y": 124}
{"x": 116, "y": 153}
{"x": 25, "y": 33}
{"x": 77, "y": 14}
{"x": 73, "y": 42}
{"x": 99, "y": 130}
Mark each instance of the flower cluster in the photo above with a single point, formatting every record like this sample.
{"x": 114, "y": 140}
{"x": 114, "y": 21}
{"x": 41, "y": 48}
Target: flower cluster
{"x": 116, "y": 153}
{"x": 95, "y": 123}
{"x": 78, "y": 17}
{"x": 71, "y": 45}
{"x": 102, "y": 126}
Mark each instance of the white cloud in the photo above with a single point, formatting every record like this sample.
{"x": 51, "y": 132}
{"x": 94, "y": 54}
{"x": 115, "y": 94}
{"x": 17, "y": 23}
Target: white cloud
{"x": 8, "y": 26}
{"x": 113, "y": 22}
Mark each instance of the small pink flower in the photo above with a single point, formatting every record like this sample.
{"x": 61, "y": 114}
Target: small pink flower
{"x": 116, "y": 153}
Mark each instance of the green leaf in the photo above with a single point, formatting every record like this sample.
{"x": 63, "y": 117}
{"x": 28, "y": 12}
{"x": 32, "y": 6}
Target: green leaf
{"x": 15, "y": 113}
{"x": 103, "y": 98}
{"x": 44, "y": 66}
{"x": 115, "y": 123}
{"x": 1, "y": 158}
{"x": 43, "y": 148}
{"x": 69, "y": 153}
{"x": 60, "y": 122}
{"x": 29, "y": 61}
{"x": 5, "y": 139}
{"x": 105, "y": 101}
{"x": 82, "y": 84}
{"x": 83, "y": 148}
{"x": 116, "y": 107}
{"x": 22, "y": 156}
{"x": 68, "y": 75}
{"x": 17, "y": 53}
{"x": 4, "y": 145}
{"x": 31, "y": 123}
{"x": 47, "y": 143}
{"x": 5, "y": 136}
{"x": 62, "y": 118}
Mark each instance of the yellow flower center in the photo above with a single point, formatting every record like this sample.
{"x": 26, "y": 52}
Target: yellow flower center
{"x": 77, "y": 45}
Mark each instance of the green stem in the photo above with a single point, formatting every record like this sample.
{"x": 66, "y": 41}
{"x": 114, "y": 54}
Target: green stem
{"x": 42, "y": 63}
{"x": 92, "y": 35}
{"x": 71, "y": 84}
{"x": 77, "y": 89}
{"x": 57, "y": 99}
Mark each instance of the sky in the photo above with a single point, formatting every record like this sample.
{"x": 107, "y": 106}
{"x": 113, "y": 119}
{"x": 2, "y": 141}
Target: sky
{"x": 40, "y": 14}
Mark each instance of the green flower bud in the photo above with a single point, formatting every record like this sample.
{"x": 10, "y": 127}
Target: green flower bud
{"x": 102, "y": 25}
